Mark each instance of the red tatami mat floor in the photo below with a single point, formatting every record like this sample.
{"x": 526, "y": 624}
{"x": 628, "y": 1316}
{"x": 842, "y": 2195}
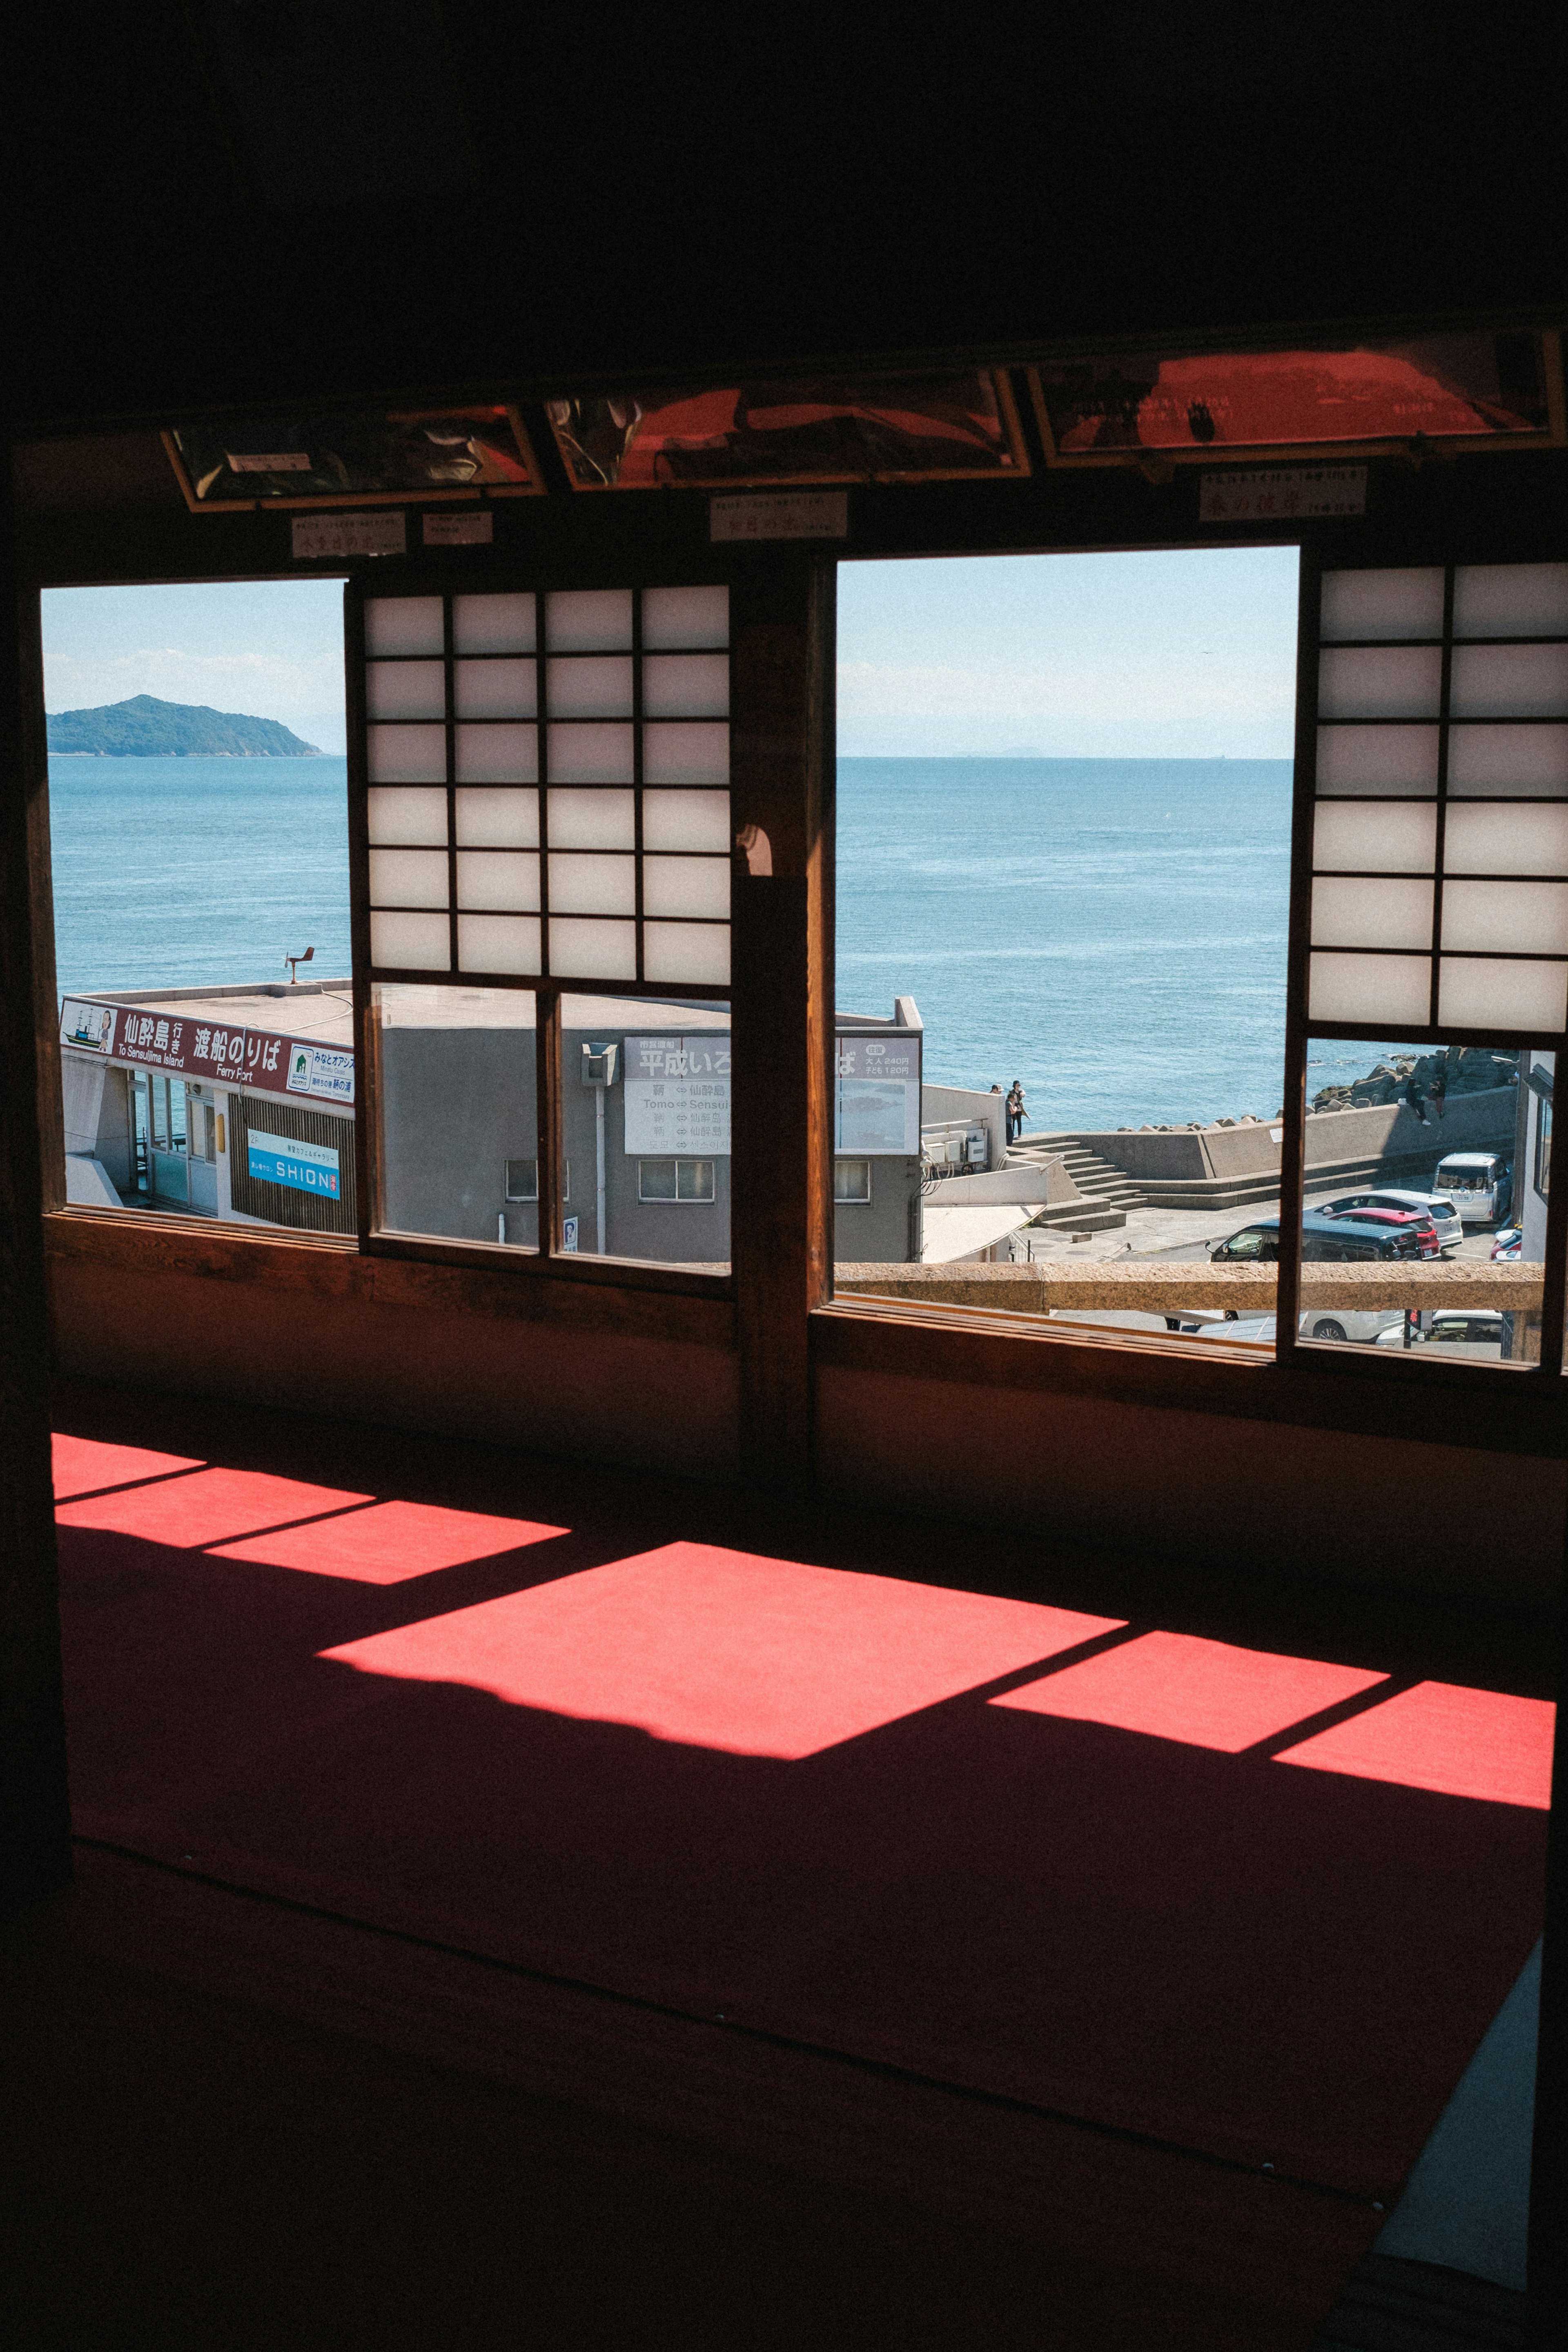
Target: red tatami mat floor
{"x": 1252, "y": 1899}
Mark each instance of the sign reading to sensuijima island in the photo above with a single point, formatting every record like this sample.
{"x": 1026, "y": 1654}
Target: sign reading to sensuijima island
{"x": 144, "y": 728}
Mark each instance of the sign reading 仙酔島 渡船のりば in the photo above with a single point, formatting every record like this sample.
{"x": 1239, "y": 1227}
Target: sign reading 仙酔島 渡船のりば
{"x": 302, "y": 1166}
{"x": 877, "y": 1095}
{"x": 164, "y": 1038}
{"x": 677, "y": 1097}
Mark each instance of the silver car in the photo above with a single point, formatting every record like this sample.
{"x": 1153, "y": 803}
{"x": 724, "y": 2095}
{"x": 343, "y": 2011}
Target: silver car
{"x": 1438, "y": 1206}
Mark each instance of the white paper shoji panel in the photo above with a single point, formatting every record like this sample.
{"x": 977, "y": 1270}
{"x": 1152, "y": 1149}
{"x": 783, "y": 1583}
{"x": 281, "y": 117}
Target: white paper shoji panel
{"x": 588, "y": 730}
{"x": 494, "y": 624}
{"x": 497, "y": 754}
{"x": 407, "y": 816}
{"x": 499, "y": 881}
{"x": 1460, "y": 787}
{"x": 408, "y": 877}
{"x": 499, "y": 943}
{"x": 1510, "y": 599}
{"x": 500, "y": 688}
{"x": 406, "y": 689}
{"x": 407, "y": 942}
{"x": 404, "y": 624}
{"x": 497, "y": 817}
{"x": 1382, "y": 603}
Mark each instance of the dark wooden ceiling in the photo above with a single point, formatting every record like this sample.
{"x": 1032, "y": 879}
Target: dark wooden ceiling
{"x": 240, "y": 199}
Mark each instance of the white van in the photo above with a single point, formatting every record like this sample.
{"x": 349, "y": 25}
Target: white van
{"x": 1480, "y": 1184}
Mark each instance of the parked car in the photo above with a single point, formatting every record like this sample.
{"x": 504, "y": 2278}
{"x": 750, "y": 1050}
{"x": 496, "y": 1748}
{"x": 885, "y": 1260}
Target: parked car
{"x": 1510, "y": 1242}
{"x": 1438, "y": 1206}
{"x": 1480, "y": 1184}
{"x": 1420, "y": 1220}
{"x": 1345, "y": 1323}
{"x": 1456, "y": 1331}
{"x": 1330, "y": 1239}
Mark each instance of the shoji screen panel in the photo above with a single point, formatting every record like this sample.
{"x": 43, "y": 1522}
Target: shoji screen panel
{"x": 547, "y": 779}
{"x": 1440, "y": 819}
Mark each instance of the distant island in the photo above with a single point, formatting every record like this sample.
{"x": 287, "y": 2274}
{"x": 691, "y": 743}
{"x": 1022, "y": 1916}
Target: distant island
{"x": 145, "y": 728}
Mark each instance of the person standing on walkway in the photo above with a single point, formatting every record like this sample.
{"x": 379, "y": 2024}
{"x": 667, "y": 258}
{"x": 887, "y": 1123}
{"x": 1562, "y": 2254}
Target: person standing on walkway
{"x": 1015, "y": 1111}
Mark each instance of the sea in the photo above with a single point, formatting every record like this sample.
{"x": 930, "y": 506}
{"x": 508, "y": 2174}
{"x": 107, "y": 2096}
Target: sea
{"x": 1111, "y": 932}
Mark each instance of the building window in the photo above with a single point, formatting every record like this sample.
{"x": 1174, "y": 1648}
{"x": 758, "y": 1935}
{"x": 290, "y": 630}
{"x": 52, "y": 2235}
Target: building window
{"x": 522, "y": 1180}
{"x": 1543, "y": 1150}
{"x": 675, "y": 1179}
{"x": 852, "y": 1179}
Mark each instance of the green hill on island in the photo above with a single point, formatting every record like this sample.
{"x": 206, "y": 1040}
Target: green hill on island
{"x": 144, "y": 728}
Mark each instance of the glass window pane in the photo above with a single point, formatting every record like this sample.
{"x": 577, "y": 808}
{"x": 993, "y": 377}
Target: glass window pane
{"x": 1393, "y": 604}
{"x": 406, "y": 755}
{"x": 456, "y": 1117}
{"x": 495, "y": 690}
{"x": 1377, "y": 760}
{"x": 592, "y": 820}
{"x": 508, "y": 943}
{"x": 403, "y": 625}
{"x": 1371, "y": 913}
{"x": 1510, "y": 599}
{"x": 589, "y": 620}
{"x": 698, "y": 821}
{"x": 676, "y": 618}
{"x": 408, "y": 690}
{"x": 686, "y": 686}
{"x": 697, "y": 954}
{"x": 400, "y": 942}
{"x": 852, "y": 1179}
{"x": 1508, "y": 681}
{"x": 1502, "y": 837}
{"x": 695, "y": 888}
{"x": 1484, "y": 992}
{"x": 497, "y": 817}
{"x": 493, "y": 624}
{"x": 406, "y": 813}
{"x": 695, "y": 754}
{"x": 648, "y": 1130}
{"x": 1503, "y": 760}
{"x": 408, "y": 877}
{"x": 1371, "y": 988}
{"x": 1377, "y": 836}
{"x": 588, "y": 948}
{"x": 1380, "y": 682}
{"x": 500, "y": 880}
{"x": 200, "y": 857}
{"x": 497, "y": 755}
{"x": 585, "y": 754}
{"x": 1409, "y": 1235}
{"x": 589, "y": 884}
{"x": 1526, "y": 918}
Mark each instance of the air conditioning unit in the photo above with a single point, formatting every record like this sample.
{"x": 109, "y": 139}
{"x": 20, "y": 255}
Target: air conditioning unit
{"x": 977, "y": 1147}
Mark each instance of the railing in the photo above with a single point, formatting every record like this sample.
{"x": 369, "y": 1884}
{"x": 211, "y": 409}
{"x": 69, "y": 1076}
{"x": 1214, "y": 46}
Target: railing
{"x": 1171, "y": 1289}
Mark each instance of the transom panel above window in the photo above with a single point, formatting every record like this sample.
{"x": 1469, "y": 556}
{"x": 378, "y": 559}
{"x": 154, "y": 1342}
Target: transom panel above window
{"x": 546, "y": 785}
{"x": 1439, "y": 891}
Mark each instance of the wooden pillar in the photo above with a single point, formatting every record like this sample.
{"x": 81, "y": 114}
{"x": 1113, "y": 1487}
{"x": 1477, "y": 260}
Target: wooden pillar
{"x": 782, "y": 1206}
{"x": 35, "y": 1821}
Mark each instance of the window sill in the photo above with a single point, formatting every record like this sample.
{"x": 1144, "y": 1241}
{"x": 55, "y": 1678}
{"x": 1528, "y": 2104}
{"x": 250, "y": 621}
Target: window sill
{"x": 1318, "y": 1388}
{"x": 468, "y": 1282}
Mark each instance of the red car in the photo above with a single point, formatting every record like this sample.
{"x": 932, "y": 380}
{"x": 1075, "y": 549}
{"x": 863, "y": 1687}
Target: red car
{"x": 1421, "y": 1219}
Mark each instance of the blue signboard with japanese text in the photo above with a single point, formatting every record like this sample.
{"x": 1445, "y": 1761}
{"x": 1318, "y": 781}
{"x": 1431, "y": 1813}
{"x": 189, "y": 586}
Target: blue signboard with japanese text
{"x": 284, "y": 1160}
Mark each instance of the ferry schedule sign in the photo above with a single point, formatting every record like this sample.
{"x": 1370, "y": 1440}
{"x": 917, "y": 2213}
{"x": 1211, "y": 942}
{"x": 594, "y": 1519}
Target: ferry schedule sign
{"x": 208, "y": 1051}
{"x": 877, "y": 1094}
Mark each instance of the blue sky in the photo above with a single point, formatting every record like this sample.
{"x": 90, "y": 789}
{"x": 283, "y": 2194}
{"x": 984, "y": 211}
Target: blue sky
{"x": 271, "y": 649}
{"x": 1188, "y": 653}
{"x": 1167, "y": 655}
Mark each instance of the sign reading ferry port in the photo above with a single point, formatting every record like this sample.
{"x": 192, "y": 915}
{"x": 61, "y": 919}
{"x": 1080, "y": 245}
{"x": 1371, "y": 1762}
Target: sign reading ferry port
{"x": 302, "y": 1166}
{"x": 205, "y": 1049}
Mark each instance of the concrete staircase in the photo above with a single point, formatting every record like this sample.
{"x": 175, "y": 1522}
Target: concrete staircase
{"x": 1107, "y": 1192}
